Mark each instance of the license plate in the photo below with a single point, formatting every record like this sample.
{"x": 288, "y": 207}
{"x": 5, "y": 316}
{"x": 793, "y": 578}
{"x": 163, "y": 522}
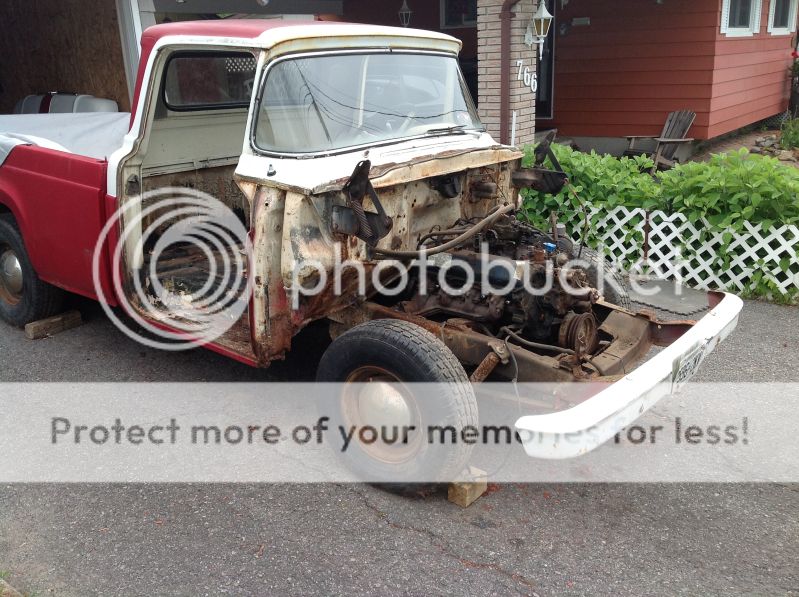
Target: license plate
{"x": 685, "y": 366}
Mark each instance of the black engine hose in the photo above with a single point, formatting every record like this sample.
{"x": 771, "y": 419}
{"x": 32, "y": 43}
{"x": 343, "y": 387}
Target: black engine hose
{"x": 485, "y": 222}
{"x": 551, "y": 347}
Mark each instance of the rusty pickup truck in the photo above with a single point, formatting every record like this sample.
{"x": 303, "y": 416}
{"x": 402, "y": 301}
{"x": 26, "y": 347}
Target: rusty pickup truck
{"x": 336, "y": 155}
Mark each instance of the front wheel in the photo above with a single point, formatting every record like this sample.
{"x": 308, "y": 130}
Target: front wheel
{"x": 23, "y": 296}
{"x": 376, "y": 367}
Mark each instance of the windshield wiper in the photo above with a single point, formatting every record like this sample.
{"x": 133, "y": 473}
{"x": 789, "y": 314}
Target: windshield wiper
{"x": 458, "y": 129}
{"x": 444, "y": 130}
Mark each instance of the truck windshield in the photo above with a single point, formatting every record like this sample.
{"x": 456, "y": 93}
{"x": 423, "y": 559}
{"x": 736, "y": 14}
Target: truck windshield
{"x": 322, "y": 103}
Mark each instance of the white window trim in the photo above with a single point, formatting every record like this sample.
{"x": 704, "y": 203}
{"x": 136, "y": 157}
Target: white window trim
{"x": 443, "y": 18}
{"x": 741, "y": 31}
{"x": 791, "y": 19}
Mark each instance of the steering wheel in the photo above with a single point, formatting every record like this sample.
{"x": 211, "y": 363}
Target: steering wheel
{"x": 407, "y": 122}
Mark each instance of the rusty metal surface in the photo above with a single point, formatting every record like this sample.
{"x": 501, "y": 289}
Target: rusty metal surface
{"x": 664, "y": 333}
{"x": 427, "y": 166}
{"x": 485, "y": 368}
{"x": 472, "y": 305}
{"x": 290, "y": 227}
{"x": 630, "y": 333}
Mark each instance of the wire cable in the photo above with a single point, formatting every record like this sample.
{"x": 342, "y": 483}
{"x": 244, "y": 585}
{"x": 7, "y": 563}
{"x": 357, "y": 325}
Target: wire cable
{"x": 485, "y": 222}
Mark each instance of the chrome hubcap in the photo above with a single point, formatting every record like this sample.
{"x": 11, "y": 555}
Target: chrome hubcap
{"x": 11, "y": 273}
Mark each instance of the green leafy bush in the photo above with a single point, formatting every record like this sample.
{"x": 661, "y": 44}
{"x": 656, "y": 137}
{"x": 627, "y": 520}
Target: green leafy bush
{"x": 733, "y": 187}
{"x": 789, "y": 139}
{"x": 726, "y": 191}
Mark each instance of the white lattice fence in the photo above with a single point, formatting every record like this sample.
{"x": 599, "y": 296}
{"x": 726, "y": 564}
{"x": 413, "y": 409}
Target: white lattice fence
{"x": 698, "y": 254}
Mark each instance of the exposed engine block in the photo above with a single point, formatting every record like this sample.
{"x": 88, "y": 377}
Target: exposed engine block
{"x": 513, "y": 277}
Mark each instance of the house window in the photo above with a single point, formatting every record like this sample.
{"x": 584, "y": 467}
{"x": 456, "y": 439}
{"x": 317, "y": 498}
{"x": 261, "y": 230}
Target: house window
{"x": 782, "y": 17}
{"x": 458, "y": 13}
{"x": 740, "y": 17}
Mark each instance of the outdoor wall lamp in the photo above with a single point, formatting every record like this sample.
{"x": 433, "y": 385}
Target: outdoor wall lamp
{"x": 538, "y": 29}
{"x": 405, "y": 14}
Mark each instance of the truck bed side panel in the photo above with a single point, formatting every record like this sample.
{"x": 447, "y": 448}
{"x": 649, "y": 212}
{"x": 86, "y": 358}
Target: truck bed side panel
{"x": 58, "y": 200}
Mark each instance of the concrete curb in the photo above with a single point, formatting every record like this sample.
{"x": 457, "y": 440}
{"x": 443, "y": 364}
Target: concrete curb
{"x": 6, "y": 590}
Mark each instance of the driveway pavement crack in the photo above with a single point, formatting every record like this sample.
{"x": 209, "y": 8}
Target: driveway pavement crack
{"x": 442, "y": 546}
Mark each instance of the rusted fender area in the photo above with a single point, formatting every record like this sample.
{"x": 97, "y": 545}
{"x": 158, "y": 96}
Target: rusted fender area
{"x": 633, "y": 335}
{"x": 429, "y": 165}
{"x": 294, "y": 236}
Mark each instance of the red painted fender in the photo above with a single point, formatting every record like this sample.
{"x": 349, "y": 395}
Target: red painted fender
{"x": 59, "y": 202}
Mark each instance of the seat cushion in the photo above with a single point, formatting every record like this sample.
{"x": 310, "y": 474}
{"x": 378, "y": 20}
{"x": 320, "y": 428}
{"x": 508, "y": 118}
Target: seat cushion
{"x": 64, "y": 103}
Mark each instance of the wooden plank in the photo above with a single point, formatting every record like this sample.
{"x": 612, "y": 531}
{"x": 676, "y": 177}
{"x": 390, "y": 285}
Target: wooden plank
{"x": 638, "y": 123}
{"x": 53, "y": 325}
{"x": 636, "y": 37}
{"x": 620, "y": 130}
{"x": 649, "y": 50}
{"x": 745, "y": 99}
{"x": 645, "y": 78}
{"x": 464, "y": 494}
{"x": 664, "y": 64}
{"x": 771, "y": 81}
{"x": 725, "y": 75}
{"x": 758, "y": 44}
{"x": 633, "y": 93}
{"x": 778, "y": 99}
{"x": 660, "y": 106}
{"x": 737, "y": 122}
{"x": 752, "y": 58}
{"x": 615, "y": 18}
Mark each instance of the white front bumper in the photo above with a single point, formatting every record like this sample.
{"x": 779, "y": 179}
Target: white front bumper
{"x": 582, "y": 428}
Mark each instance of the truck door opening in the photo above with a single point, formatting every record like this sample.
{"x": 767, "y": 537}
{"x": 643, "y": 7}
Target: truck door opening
{"x": 193, "y": 144}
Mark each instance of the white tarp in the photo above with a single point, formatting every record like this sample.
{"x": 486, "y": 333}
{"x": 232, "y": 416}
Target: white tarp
{"x": 91, "y": 134}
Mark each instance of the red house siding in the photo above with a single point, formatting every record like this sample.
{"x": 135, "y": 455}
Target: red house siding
{"x": 637, "y": 61}
{"x": 750, "y": 78}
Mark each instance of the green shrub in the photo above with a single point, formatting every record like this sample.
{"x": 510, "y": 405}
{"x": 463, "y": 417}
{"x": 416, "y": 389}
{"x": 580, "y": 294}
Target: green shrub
{"x": 596, "y": 179}
{"x": 789, "y": 139}
{"x": 726, "y": 191}
{"x": 733, "y": 187}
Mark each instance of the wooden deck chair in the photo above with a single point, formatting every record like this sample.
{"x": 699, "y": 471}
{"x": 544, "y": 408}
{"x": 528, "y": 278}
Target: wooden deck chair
{"x": 673, "y": 136}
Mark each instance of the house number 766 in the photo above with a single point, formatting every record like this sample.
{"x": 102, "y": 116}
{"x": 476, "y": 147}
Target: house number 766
{"x": 530, "y": 79}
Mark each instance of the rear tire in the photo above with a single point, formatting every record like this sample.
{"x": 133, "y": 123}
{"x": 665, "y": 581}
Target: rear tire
{"x": 398, "y": 353}
{"x": 23, "y": 296}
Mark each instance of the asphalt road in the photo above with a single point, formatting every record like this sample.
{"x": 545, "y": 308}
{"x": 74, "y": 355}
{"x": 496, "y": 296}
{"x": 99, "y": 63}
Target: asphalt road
{"x": 352, "y": 539}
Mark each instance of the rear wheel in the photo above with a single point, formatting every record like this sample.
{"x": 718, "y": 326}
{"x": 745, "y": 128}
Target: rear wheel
{"x": 377, "y": 365}
{"x": 23, "y": 296}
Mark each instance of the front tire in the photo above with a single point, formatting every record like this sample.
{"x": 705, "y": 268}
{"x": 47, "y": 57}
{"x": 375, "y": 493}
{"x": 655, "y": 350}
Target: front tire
{"x": 23, "y": 296}
{"x": 392, "y": 355}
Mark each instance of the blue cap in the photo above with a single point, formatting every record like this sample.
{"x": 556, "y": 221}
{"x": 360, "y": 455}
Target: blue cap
{"x": 550, "y": 247}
